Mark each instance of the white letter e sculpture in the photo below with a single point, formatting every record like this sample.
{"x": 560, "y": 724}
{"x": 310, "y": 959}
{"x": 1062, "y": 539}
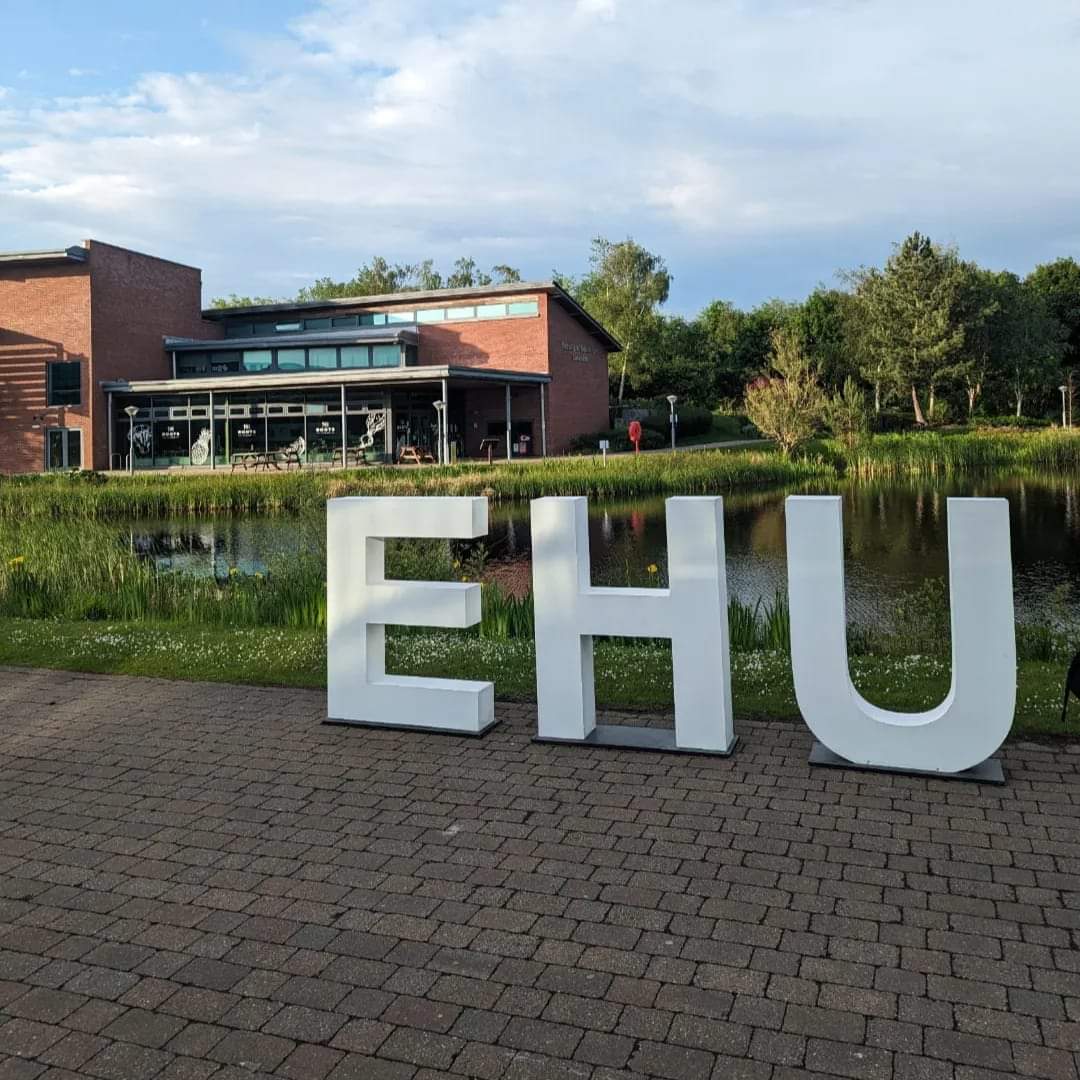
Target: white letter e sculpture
{"x": 958, "y": 736}
{"x": 361, "y": 602}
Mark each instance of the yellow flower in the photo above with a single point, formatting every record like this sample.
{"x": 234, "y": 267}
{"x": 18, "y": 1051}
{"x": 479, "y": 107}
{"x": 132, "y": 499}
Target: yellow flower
{"x": 17, "y": 561}
{"x": 233, "y": 571}
{"x": 258, "y": 575}
{"x": 464, "y": 579}
{"x": 652, "y": 568}
{"x": 457, "y": 564}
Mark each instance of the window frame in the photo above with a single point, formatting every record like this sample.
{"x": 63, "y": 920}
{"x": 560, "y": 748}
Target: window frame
{"x": 51, "y": 390}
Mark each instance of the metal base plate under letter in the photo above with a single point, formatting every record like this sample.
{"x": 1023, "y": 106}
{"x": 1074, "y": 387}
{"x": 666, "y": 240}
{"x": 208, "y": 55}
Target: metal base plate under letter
{"x": 630, "y": 737}
{"x": 413, "y": 727}
{"x": 986, "y": 772}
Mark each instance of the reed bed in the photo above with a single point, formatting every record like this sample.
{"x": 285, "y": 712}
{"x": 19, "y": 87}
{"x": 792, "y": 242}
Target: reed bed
{"x": 933, "y": 454}
{"x": 90, "y": 496}
{"x": 95, "y": 496}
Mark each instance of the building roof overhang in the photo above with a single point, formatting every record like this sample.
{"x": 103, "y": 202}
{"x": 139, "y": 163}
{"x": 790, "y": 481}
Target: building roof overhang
{"x": 403, "y": 376}
{"x": 368, "y": 335}
{"x": 75, "y": 254}
{"x": 479, "y": 292}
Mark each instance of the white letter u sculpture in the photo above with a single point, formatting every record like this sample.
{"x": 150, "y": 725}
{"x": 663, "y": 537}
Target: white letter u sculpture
{"x": 971, "y": 723}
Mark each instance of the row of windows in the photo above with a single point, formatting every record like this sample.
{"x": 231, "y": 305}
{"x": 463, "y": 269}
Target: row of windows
{"x": 385, "y": 318}
{"x": 317, "y": 358}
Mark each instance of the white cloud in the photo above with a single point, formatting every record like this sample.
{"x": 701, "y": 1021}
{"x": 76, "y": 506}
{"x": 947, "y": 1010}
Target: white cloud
{"x": 515, "y": 131}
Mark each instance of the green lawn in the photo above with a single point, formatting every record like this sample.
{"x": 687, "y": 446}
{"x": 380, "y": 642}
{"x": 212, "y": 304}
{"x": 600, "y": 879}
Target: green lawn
{"x": 627, "y": 675}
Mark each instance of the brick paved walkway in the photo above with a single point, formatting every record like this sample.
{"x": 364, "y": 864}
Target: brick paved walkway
{"x": 204, "y": 881}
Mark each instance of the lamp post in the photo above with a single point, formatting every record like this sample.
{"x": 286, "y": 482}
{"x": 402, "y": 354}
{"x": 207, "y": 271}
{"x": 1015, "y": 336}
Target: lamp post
{"x": 671, "y": 399}
{"x": 131, "y": 412}
{"x": 440, "y": 409}
{"x": 1064, "y": 390}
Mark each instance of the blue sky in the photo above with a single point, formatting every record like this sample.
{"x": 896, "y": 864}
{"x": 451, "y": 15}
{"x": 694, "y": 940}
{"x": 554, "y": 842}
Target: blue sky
{"x": 758, "y": 145}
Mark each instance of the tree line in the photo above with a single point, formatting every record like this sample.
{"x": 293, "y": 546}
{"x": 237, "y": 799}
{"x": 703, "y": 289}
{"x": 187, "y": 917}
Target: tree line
{"x": 928, "y": 334}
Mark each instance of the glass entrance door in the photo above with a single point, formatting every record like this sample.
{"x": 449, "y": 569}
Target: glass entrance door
{"x": 63, "y": 448}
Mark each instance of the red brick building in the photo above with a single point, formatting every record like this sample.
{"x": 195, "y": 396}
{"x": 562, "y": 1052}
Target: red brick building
{"x": 103, "y": 350}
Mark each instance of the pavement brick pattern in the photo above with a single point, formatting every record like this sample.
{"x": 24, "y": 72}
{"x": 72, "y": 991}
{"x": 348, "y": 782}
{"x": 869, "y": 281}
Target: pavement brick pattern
{"x": 203, "y": 881}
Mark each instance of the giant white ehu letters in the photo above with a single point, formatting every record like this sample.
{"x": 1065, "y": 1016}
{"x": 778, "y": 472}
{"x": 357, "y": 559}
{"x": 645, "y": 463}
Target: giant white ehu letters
{"x": 960, "y": 733}
{"x": 360, "y": 602}
{"x": 973, "y": 720}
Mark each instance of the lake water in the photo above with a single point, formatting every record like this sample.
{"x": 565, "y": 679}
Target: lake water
{"x": 894, "y": 536}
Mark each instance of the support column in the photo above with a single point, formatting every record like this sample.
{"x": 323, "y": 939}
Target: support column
{"x": 444, "y": 424}
{"x": 344, "y": 431}
{"x": 112, "y": 433}
{"x": 543, "y": 421}
{"x": 388, "y": 431}
{"x": 266, "y": 422}
{"x": 213, "y": 448}
{"x": 509, "y": 443}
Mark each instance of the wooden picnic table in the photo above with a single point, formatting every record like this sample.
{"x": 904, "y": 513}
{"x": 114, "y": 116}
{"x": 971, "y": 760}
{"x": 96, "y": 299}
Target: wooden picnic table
{"x": 414, "y": 455}
{"x": 264, "y": 459}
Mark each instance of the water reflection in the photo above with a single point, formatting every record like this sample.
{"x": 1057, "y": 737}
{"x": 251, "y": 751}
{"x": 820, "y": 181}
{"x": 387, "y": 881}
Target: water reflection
{"x": 895, "y": 536}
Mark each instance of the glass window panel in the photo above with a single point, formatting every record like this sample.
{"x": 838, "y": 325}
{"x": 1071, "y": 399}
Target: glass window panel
{"x": 224, "y": 363}
{"x": 461, "y": 313}
{"x": 435, "y": 314}
{"x": 287, "y": 327}
{"x": 261, "y": 329}
{"x": 290, "y": 359}
{"x": 491, "y": 311}
{"x": 257, "y": 359}
{"x": 323, "y": 357}
{"x": 523, "y": 307}
{"x": 316, "y": 324}
{"x": 238, "y": 329}
{"x": 400, "y": 317}
{"x": 385, "y": 355}
{"x": 192, "y": 363}
{"x": 345, "y": 320}
{"x": 373, "y": 318}
{"x": 355, "y": 356}
{"x": 64, "y": 383}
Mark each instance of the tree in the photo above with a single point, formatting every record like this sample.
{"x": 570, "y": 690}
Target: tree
{"x": 232, "y": 300}
{"x": 979, "y": 313}
{"x": 1026, "y": 341}
{"x": 1058, "y": 283}
{"x": 910, "y": 323}
{"x": 380, "y": 276}
{"x": 623, "y": 290}
{"x": 823, "y": 322}
{"x": 787, "y": 405}
{"x": 677, "y": 362}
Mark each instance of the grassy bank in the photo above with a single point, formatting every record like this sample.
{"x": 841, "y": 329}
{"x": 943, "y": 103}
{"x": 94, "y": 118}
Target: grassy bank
{"x": 630, "y": 676}
{"x": 689, "y": 472}
{"x": 90, "y": 496}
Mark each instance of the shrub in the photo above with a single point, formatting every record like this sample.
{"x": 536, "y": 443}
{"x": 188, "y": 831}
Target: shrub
{"x": 846, "y": 415}
{"x": 1008, "y": 421}
{"x": 618, "y": 440}
{"x": 786, "y": 406}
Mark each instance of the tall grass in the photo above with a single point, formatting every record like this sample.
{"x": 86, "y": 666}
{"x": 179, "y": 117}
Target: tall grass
{"x": 96, "y": 496}
{"x": 933, "y": 454}
{"x": 89, "y": 496}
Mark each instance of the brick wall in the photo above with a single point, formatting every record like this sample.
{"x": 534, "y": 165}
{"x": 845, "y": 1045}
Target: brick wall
{"x": 44, "y": 316}
{"x": 137, "y": 300}
{"x": 578, "y": 394}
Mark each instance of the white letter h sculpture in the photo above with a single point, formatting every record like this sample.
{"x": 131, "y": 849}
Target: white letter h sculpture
{"x": 361, "y": 602}
{"x": 692, "y": 612}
